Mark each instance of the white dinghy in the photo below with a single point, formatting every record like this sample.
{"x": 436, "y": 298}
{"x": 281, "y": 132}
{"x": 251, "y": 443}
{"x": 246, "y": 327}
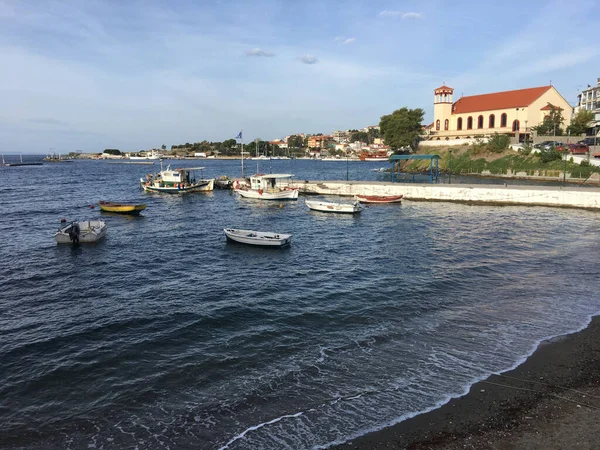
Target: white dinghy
{"x": 334, "y": 207}
{"x": 260, "y": 238}
{"x": 81, "y": 232}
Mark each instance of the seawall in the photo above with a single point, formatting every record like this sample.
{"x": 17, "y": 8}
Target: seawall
{"x": 564, "y": 197}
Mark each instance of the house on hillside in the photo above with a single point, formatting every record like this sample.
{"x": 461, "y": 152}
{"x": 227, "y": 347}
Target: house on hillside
{"x": 508, "y": 112}
{"x": 321, "y": 141}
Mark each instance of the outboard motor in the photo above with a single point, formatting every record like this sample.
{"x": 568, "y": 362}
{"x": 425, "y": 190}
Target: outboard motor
{"x": 74, "y": 233}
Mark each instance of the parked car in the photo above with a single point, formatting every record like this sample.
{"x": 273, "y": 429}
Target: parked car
{"x": 579, "y": 149}
{"x": 590, "y": 141}
{"x": 542, "y": 144}
{"x": 561, "y": 147}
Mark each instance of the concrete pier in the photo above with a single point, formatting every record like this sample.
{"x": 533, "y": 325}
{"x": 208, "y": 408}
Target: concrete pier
{"x": 565, "y": 197}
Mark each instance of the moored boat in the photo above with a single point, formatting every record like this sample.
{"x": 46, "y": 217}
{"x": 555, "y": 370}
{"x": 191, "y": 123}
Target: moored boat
{"x": 276, "y": 186}
{"x": 379, "y": 198}
{"x": 223, "y": 182}
{"x": 80, "y": 232}
{"x": 259, "y": 238}
{"x": 122, "y": 208}
{"x": 177, "y": 181}
{"x": 334, "y": 207}
{"x": 152, "y": 154}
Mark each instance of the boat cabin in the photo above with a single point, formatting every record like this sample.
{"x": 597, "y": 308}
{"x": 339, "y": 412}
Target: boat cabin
{"x": 179, "y": 176}
{"x": 271, "y": 182}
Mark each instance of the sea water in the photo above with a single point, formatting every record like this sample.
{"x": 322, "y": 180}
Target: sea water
{"x": 164, "y": 335}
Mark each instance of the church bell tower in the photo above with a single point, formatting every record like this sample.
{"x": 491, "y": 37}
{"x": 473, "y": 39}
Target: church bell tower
{"x": 442, "y": 108}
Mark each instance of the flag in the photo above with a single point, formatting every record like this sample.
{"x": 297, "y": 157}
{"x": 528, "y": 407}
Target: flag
{"x": 239, "y": 136}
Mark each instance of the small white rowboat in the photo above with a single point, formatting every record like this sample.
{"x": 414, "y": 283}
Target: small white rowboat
{"x": 260, "y": 238}
{"x": 81, "y": 232}
{"x": 333, "y": 207}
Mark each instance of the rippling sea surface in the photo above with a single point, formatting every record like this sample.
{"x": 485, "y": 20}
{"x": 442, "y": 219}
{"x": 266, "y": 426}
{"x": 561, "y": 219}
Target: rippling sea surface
{"x": 166, "y": 336}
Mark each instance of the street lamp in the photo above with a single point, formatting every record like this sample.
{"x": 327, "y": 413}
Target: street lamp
{"x": 450, "y": 167}
{"x": 526, "y": 139}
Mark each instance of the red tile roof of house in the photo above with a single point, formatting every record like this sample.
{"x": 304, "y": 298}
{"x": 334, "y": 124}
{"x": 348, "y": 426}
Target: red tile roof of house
{"x": 498, "y": 100}
{"x": 444, "y": 87}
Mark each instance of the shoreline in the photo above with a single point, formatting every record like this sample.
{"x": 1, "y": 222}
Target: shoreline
{"x": 550, "y": 401}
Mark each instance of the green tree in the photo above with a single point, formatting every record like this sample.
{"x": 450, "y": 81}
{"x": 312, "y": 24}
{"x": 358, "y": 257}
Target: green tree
{"x": 498, "y": 143}
{"x": 359, "y": 136}
{"x": 295, "y": 141}
{"x": 373, "y": 134}
{"x": 581, "y": 122}
{"x": 112, "y": 151}
{"x": 164, "y": 147}
{"x": 551, "y": 125}
{"x": 402, "y": 128}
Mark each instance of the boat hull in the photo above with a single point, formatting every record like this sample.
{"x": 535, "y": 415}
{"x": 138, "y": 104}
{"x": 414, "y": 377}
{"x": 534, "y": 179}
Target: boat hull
{"x": 121, "y": 208}
{"x": 202, "y": 186}
{"x": 331, "y": 207}
{"x": 89, "y": 232}
{"x": 379, "y": 198}
{"x": 282, "y": 194}
{"x": 258, "y": 238}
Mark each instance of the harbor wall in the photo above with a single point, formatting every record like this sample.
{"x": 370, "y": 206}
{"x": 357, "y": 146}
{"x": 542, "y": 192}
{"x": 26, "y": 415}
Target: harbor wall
{"x": 566, "y": 197}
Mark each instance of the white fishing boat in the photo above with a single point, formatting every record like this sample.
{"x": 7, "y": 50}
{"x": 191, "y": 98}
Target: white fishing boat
{"x": 260, "y": 238}
{"x": 80, "y": 232}
{"x": 277, "y": 186}
{"x": 177, "y": 181}
{"x": 334, "y": 207}
{"x": 152, "y": 154}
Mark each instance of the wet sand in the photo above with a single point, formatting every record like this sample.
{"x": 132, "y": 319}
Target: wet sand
{"x": 551, "y": 401}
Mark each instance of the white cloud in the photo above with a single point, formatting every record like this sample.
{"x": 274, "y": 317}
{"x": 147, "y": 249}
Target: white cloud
{"x": 389, "y": 13}
{"x": 402, "y": 15}
{"x": 338, "y": 38}
{"x": 259, "y": 52}
{"x": 349, "y": 41}
{"x": 308, "y": 59}
{"x": 411, "y": 15}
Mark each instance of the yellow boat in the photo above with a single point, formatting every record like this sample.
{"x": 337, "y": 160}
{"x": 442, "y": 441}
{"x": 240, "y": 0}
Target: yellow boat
{"x": 123, "y": 208}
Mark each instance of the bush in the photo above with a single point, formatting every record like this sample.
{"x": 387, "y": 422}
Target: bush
{"x": 585, "y": 163}
{"x": 550, "y": 155}
{"x": 498, "y": 143}
{"x": 478, "y": 146}
{"x": 527, "y": 148}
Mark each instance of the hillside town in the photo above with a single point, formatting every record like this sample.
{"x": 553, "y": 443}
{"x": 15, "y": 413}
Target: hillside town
{"x": 526, "y": 115}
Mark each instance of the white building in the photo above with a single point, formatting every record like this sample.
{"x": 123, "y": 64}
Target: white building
{"x": 589, "y": 100}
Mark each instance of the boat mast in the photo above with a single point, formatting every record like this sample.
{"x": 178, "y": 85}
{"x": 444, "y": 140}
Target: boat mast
{"x": 256, "y": 141}
{"x": 243, "y": 158}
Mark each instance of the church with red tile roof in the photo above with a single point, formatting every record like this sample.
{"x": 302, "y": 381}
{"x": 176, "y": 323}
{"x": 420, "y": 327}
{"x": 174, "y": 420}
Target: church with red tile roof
{"x": 509, "y": 112}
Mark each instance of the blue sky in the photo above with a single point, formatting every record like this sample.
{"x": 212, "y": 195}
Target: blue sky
{"x": 89, "y": 74}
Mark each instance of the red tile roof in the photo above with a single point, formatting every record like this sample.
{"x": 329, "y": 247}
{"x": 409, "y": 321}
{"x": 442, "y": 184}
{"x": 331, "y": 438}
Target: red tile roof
{"x": 498, "y": 100}
{"x": 444, "y": 87}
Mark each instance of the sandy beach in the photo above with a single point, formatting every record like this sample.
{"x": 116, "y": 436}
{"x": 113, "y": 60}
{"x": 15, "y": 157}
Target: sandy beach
{"x": 551, "y": 401}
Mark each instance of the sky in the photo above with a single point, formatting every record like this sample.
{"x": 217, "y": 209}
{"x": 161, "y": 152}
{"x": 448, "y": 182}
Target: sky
{"x": 94, "y": 74}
